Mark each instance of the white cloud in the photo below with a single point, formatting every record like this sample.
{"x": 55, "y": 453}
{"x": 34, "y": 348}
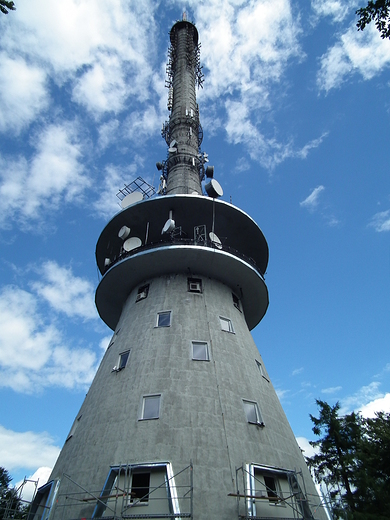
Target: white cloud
{"x": 53, "y": 175}
{"x": 366, "y": 394}
{"x": 331, "y": 390}
{"x": 297, "y": 371}
{"x": 32, "y": 352}
{"x": 307, "y": 449}
{"x": 336, "y": 9}
{"x": 355, "y": 52}
{"x": 381, "y": 404}
{"x": 30, "y": 450}
{"x": 22, "y": 93}
{"x": 381, "y": 221}
{"x": 66, "y": 292}
{"x": 311, "y": 202}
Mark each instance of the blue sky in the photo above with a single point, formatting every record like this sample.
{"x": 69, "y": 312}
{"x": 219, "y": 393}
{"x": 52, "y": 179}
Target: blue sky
{"x": 295, "y": 111}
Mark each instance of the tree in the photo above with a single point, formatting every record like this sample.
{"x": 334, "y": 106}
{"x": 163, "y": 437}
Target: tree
{"x": 377, "y": 11}
{"x": 6, "y": 6}
{"x": 335, "y": 462}
{"x": 11, "y": 505}
{"x": 353, "y": 460}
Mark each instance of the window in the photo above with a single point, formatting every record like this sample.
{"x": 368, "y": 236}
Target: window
{"x": 252, "y": 412}
{"x": 271, "y": 487}
{"x": 142, "y": 293}
{"x": 236, "y": 302}
{"x": 226, "y": 324}
{"x": 122, "y": 361}
{"x": 194, "y": 285}
{"x": 200, "y": 351}
{"x": 164, "y": 319}
{"x": 261, "y": 370}
{"x": 140, "y": 484}
{"x": 150, "y": 407}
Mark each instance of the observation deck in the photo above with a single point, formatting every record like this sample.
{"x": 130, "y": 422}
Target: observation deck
{"x": 209, "y": 238}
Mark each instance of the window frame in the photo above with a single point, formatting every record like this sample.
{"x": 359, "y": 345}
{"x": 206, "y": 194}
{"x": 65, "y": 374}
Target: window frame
{"x": 261, "y": 370}
{"x": 143, "y": 293}
{"x": 160, "y": 313}
{"x": 255, "y": 407}
{"x": 194, "y": 281}
{"x": 228, "y": 321}
{"x": 142, "y": 408}
{"x": 207, "y": 350}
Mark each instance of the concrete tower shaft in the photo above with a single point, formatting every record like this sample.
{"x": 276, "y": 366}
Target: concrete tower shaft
{"x": 184, "y": 74}
{"x": 182, "y": 385}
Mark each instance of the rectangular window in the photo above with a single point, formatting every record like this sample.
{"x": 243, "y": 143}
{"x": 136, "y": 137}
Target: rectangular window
{"x": 261, "y": 370}
{"x": 142, "y": 293}
{"x": 164, "y": 319}
{"x": 150, "y": 407}
{"x": 123, "y": 357}
{"x": 271, "y": 487}
{"x": 236, "y": 302}
{"x": 226, "y": 324}
{"x": 140, "y": 484}
{"x": 252, "y": 412}
{"x": 194, "y": 285}
{"x": 200, "y": 351}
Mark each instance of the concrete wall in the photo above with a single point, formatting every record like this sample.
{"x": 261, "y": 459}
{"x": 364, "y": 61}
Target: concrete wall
{"x": 201, "y": 415}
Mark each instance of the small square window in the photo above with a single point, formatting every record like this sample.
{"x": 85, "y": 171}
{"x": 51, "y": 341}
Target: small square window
{"x": 200, "y": 351}
{"x": 194, "y": 285}
{"x": 151, "y": 407}
{"x": 142, "y": 293}
{"x": 252, "y": 412}
{"x": 164, "y": 319}
{"x": 226, "y": 324}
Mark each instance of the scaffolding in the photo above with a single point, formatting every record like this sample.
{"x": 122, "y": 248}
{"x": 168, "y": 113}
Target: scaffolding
{"x": 17, "y": 506}
{"x": 270, "y": 493}
{"x": 168, "y": 496}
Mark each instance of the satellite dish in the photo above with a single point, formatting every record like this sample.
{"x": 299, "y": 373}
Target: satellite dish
{"x": 131, "y": 198}
{"x": 168, "y": 226}
{"x": 210, "y": 172}
{"x": 132, "y": 243}
{"x": 213, "y": 189}
{"x": 171, "y": 149}
{"x": 215, "y": 240}
{"x": 124, "y": 232}
{"x": 107, "y": 262}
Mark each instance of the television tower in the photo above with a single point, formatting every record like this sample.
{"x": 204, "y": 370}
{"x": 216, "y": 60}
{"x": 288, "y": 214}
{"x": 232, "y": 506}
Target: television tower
{"x": 181, "y": 420}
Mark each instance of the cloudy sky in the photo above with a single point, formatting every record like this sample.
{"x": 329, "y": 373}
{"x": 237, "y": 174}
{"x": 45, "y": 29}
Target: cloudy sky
{"x": 295, "y": 111}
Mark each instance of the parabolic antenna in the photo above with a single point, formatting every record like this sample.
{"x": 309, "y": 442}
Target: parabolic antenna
{"x": 132, "y": 243}
{"x": 215, "y": 240}
{"x": 168, "y": 226}
{"x": 131, "y": 198}
{"x": 124, "y": 232}
{"x": 213, "y": 189}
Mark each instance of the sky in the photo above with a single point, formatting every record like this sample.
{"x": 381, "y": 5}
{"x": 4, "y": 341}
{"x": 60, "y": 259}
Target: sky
{"x": 295, "y": 111}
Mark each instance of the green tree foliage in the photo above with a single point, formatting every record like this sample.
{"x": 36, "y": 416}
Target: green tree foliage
{"x": 11, "y": 505}
{"x": 377, "y": 11}
{"x": 353, "y": 461}
{"x": 6, "y": 6}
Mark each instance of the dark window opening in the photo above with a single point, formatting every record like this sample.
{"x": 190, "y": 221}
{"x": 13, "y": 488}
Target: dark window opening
{"x": 140, "y": 485}
{"x": 236, "y": 302}
{"x": 142, "y": 293}
{"x": 123, "y": 359}
{"x": 271, "y": 488}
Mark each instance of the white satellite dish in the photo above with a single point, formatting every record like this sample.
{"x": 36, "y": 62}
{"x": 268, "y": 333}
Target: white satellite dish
{"x": 213, "y": 189}
{"x": 131, "y": 198}
{"x": 124, "y": 232}
{"x": 168, "y": 226}
{"x": 132, "y": 243}
{"x": 215, "y": 240}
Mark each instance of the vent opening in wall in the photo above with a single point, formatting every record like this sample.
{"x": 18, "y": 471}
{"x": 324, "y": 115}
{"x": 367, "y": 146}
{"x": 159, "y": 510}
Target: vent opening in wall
{"x": 194, "y": 285}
